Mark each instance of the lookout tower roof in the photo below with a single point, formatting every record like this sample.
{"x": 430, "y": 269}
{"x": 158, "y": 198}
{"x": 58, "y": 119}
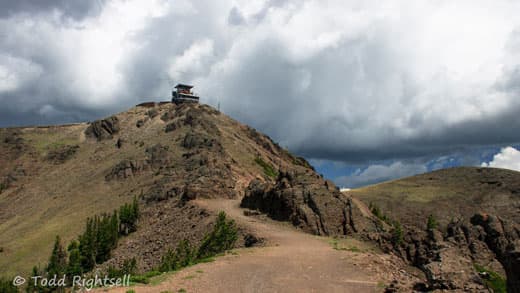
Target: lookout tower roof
{"x": 183, "y": 86}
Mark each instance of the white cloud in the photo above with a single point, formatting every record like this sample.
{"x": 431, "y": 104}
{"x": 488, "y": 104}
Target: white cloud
{"x": 507, "y": 158}
{"x": 192, "y": 60}
{"x": 378, "y": 173}
{"x": 15, "y": 72}
{"x": 339, "y": 80}
{"x": 81, "y": 60}
{"x": 8, "y": 81}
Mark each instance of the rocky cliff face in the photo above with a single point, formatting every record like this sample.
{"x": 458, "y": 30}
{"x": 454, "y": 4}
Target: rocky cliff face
{"x": 451, "y": 255}
{"x": 308, "y": 201}
{"x": 451, "y": 260}
{"x": 476, "y": 234}
{"x": 503, "y": 238}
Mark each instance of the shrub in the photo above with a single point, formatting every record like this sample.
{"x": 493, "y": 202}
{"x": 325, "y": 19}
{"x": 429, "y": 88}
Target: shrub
{"x": 128, "y": 216}
{"x": 397, "y": 233}
{"x": 140, "y": 279}
{"x": 102, "y": 233}
{"x": 494, "y": 281}
{"x": 95, "y": 244}
{"x": 183, "y": 256}
{"x": 222, "y": 238}
{"x": 268, "y": 169}
{"x": 6, "y": 286}
{"x": 129, "y": 267}
{"x": 432, "y": 223}
{"x": 376, "y": 211}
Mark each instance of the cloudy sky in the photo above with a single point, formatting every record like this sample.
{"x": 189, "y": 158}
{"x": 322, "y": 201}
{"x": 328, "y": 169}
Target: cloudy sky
{"x": 367, "y": 90}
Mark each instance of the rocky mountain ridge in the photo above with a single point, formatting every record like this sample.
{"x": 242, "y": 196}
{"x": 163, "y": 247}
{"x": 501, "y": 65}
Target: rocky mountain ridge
{"x": 169, "y": 156}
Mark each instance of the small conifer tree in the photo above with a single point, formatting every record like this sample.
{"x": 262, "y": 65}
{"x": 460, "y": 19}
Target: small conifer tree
{"x": 432, "y": 223}
{"x": 58, "y": 260}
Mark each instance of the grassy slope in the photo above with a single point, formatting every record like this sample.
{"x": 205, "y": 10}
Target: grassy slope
{"x": 447, "y": 194}
{"x": 53, "y": 199}
{"x": 56, "y": 199}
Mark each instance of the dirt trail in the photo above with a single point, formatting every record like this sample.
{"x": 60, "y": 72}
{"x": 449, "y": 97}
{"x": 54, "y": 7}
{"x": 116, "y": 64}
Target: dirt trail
{"x": 292, "y": 262}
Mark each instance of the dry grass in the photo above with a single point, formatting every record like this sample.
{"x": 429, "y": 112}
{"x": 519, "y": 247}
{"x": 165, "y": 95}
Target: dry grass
{"x": 56, "y": 199}
{"x": 448, "y": 194}
{"x": 353, "y": 245}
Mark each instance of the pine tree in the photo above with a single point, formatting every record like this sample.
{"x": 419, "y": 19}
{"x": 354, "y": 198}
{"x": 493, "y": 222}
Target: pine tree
{"x": 87, "y": 246}
{"x": 222, "y": 238}
{"x": 33, "y": 284}
{"x": 58, "y": 261}
{"x": 128, "y": 216}
{"x": 114, "y": 229}
{"x": 432, "y": 223}
{"x": 185, "y": 254}
{"x": 104, "y": 239}
{"x": 6, "y": 285}
{"x": 397, "y": 233}
{"x": 124, "y": 220}
{"x": 135, "y": 209}
{"x": 74, "y": 266}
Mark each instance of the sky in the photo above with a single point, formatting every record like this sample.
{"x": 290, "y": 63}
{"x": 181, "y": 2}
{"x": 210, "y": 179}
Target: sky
{"x": 366, "y": 90}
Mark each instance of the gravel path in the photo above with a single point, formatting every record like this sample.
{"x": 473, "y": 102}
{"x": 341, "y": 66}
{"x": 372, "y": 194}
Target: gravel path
{"x": 292, "y": 262}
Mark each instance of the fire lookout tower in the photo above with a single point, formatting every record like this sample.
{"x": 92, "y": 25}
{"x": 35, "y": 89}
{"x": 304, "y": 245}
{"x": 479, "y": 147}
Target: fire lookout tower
{"x": 183, "y": 94}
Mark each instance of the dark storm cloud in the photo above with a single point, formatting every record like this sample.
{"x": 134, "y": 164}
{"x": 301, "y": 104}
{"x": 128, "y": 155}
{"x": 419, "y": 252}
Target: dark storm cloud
{"x": 349, "y": 81}
{"x": 310, "y": 121}
{"x": 499, "y": 129}
{"x": 235, "y": 17}
{"x": 71, "y": 8}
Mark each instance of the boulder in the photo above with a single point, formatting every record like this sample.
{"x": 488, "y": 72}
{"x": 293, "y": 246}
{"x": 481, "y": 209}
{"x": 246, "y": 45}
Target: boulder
{"x": 158, "y": 156}
{"x": 140, "y": 123}
{"x": 103, "y": 129}
{"x": 194, "y": 139}
{"x": 171, "y": 127}
{"x": 61, "y": 154}
{"x": 126, "y": 169}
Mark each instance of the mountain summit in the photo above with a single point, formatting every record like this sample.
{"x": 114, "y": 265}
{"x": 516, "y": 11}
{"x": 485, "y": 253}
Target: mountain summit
{"x": 164, "y": 154}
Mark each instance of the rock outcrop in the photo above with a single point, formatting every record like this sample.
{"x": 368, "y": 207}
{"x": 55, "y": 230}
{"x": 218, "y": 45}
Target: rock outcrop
{"x": 126, "y": 169}
{"x": 103, "y": 129}
{"x": 503, "y": 238}
{"x": 314, "y": 204}
{"x": 309, "y": 202}
{"x": 451, "y": 259}
{"x": 14, "y": 143}
{"x": 61, "y": 154}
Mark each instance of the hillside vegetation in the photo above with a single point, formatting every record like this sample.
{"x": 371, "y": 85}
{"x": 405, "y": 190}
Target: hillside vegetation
{"x": 447, "y": 194}
{"x": 53, "y": 178}
{"x": 457, "y": 225}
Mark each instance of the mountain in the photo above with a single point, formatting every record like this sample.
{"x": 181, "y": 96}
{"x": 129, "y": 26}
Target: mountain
{"x": 454, "y": 229}
{"x": 473, "y": 214}
{"x": 448, "y": 193}
{"x": 166, "y": 155}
